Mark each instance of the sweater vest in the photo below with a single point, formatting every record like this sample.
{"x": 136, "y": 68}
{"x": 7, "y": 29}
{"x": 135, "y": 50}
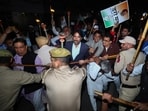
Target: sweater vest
{"x": 29, "y": 58}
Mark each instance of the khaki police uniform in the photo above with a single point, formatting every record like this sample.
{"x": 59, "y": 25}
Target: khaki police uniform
{"x": 63, "y": 84}
{"x": 129, "y": 88}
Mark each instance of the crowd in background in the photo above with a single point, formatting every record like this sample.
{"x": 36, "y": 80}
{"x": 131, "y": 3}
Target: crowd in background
{"x": 105, "y": 54}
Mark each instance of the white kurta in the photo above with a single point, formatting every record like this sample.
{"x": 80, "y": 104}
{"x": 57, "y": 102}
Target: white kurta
{"x": 43, "y": 53}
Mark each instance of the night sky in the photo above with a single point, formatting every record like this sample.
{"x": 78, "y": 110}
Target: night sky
{"x": 31, "y": 9}
{"x": 39, "y": 6}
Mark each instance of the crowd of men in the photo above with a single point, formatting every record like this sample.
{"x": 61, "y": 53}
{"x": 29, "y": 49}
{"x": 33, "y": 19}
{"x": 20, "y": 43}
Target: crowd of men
{"x": 60, "y": 71}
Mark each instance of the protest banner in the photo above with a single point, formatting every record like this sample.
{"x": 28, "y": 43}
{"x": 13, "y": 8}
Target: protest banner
{"x": 115, "y": 14}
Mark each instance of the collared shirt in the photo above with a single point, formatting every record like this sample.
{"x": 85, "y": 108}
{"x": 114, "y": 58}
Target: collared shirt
{"x": 75, "y": 50}
{"x": 125, "y": 57}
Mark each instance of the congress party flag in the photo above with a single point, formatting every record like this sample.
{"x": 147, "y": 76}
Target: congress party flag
{"x": 115, "y": 14}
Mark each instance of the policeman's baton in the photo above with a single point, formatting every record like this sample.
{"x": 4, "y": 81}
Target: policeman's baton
{"x": 139, "y": 46}
{"x": 118, "y": 100}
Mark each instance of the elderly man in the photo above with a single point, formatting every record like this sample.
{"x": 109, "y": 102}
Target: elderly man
{"x": 63, "y": 84}
{"x": 43, "y": 51}
{"x": 141, "y": 99}
{"x": 141, "y": 69}
{"x": 129, "y": 88}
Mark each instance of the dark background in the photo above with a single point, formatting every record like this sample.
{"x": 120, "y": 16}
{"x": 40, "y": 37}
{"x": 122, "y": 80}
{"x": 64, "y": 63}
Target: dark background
{"x": 24, "y": 12}
{"x": 42, "y": 6}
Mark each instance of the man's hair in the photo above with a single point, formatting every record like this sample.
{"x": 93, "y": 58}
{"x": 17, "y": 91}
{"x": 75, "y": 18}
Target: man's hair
{"x": 127, "y": 26}
{"x": 98, "y": 32}
{"x": 124, "y": 11}
{"x": 108, "y": 35}
{"x": 64, "y": 59}
{"x": 105, "y": 66}
{"x": 79, "y": 32}
{"x": 22, "y": 40}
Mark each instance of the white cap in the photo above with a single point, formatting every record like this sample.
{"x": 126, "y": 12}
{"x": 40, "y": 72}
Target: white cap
{"x": 128, "y": 39}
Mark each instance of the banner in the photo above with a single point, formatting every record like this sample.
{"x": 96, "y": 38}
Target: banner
{"x": 115, "y": 14}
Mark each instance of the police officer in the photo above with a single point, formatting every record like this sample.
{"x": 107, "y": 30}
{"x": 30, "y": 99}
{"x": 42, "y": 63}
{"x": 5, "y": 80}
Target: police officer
{"x": 129, "y": 88}
{"x": 63, "y": 84}
{"x": 11, "y": 83}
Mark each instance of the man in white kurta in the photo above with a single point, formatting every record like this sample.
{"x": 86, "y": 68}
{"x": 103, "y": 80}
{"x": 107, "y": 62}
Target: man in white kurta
{"x": 43, "y": 51}
{"x": 63, "y": 84}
